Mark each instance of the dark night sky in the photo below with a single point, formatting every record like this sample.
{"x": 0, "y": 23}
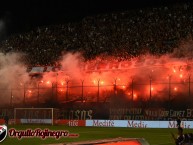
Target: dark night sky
{"x": 24, "y": 15}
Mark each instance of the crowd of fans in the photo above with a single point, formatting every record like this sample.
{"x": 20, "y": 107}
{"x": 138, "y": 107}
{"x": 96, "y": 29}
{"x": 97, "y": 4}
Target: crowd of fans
{"x": 155, "y": 30}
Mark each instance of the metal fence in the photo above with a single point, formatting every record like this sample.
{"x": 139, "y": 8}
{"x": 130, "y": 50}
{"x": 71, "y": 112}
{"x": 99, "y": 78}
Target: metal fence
{"x": 134, "y": 91}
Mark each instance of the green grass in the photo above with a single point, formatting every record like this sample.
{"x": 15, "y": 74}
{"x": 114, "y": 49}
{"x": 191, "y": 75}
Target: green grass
{"x": 153, "y": 136}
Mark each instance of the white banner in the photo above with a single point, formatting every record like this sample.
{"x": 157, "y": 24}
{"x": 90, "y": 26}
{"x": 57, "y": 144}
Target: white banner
{"x": 38, "y": 121}
{"x": 138, "y": 123}
{"x": 105, "y": 123}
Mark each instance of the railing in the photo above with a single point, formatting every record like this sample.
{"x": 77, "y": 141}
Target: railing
{"x": 169, "y": 91}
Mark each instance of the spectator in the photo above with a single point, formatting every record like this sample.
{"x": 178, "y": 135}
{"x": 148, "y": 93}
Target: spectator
{"x": 178, "y": 122}
{"x": 155, "y": 30}
{"x": 179, "y": 140}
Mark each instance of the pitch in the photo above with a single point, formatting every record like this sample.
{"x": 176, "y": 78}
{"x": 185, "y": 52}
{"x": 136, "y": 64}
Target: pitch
{"x": 153, "y": 136}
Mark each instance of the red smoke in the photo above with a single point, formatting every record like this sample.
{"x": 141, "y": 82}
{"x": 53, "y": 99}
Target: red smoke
{"x": 144, "y": 77}
{"x": 150, "y": 75}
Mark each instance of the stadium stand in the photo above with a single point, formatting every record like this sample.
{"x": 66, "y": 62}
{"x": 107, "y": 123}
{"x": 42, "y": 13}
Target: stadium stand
{"x": 155, "y": 30}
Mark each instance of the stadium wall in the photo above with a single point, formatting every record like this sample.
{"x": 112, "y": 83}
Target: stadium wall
{"x": 138, "y": 123}
{"x": 107, "y": 123}
{"x": 94, "y": 112}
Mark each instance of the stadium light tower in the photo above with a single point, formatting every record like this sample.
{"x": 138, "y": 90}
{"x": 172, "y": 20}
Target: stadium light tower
{"x": 189, "y": 89}
{"x": 82, "y": 90}
{"x": 56, "y": 87}
{"x": 150, "y": 83}
{"x": 115, "y": 86}
{"x": 38, "y": 92}
{"x": 169, "y": 88}
{"x": 132, "y": 87}
{"x": 24, "y": 93}
{"x": 67, "y": 81}
{"x": 98, "y": 90}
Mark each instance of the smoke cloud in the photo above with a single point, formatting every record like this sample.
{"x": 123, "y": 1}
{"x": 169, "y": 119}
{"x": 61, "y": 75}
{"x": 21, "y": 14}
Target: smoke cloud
{"x": 149, "y": 77}
{"x": 12, "y": 75}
